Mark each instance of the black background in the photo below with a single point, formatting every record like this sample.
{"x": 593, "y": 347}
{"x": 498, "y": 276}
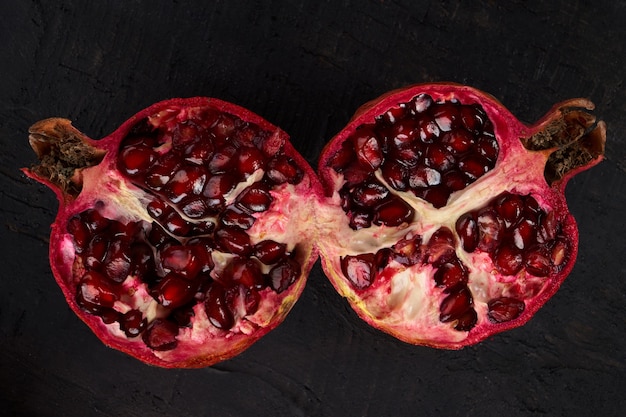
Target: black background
{"x": 306, "y": 65}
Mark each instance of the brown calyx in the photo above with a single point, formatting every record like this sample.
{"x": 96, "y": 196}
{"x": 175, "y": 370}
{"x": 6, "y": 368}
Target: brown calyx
{"x": 573, "y": 137}
{"x": 63, "y": 152}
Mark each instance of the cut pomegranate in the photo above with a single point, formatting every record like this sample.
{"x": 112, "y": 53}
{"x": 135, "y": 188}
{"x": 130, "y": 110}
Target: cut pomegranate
{"x": 446, "y": 220}
{"x": 179, "y": 237}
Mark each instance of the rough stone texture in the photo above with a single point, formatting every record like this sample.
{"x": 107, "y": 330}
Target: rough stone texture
{"x": 306, "y": 65}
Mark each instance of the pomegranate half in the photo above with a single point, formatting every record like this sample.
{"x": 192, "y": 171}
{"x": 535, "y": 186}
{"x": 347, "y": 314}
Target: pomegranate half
{"x": 185, "y": 235}
{"x": 446, "y": 220}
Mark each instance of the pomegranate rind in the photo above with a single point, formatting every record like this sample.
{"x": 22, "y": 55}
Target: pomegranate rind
{"x": 202, "y": 345}
{"x": 524, "y": 173}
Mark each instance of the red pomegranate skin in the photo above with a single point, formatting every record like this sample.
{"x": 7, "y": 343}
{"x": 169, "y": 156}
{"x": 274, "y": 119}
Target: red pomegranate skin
{"x": 393, "y": 273}
{"x": 96, "y": 179}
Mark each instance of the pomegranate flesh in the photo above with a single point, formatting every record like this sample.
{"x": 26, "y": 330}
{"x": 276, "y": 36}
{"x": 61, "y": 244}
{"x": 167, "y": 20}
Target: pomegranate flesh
{"x": 446, "y": 220}
{"x": 184, "y": 236}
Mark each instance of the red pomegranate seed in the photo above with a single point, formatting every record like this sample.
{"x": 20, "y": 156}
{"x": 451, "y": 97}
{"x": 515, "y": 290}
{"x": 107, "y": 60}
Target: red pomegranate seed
{"x": 457, "y": 141}
{"x": 393, "y": 212}
{"x": 474, "y": 166}
{"x": 466, "y": 321}
{"x": 356, "y": 174}
{"x": 199, "y": 150}
{"x": 282, "y": 169}
{"x": 455, "y": 304}
{"x": 454, "y": 180}
{"x": 181, "y": 259}
{"x": 96, "y": 252}
{"x": 269, "y": 252}
{"x": 523, "y": 234}
{"x": 158, "y": 237}
{"x": 394, "y": 114}
{"x": 250, "y": 160}
{"x": 439, "y": 158}
{"x": 218, "y": 186}
{"x": 224, "y": 126}
{"x": 472, "y": 118}
{"x": 420, "y": 103}
{"x": 174, "y": 291}
{"x": 194, "y": 207}
{"x": 428, "y": 130}
{"x": 504, "y": 309}
{"x": 233, "y": 240}
{"x": 134, "y": 160}
{"x": 510, "y": 208}
{"x": 344, "y": 157}
{"x": 395, "y": 175}
{"x": 94, "y": 289}
{"x": 216, "y": 307}
{"x": 161, "y": 335}
{"x": 436, "y": 195}
{"x": 223, "y": 160}
{"x": 559, "y": 253}
{"x": 186, "y": 181}
{"x": 490, "y": 229}
{"x": 422, "y": 177}
{"x": 508, "y": 260}
{"x": 175, "y": 224}
{"x": 409, "y": 251}
{"x": 236, "y": 217}
{"x": 383, "y": 257}
{"x": 117, "y": 264}
{"x": 369, "y": 194}
{"x": 450, "y": 275}
{"x": 360, "y": 220}
{"x": 162, "y": 170}
{"x": 142, "y": 259}
{"x": 537, "y": 261}
{"x": 183, "y": 315}
{"x": 367, "y": 147}
{"x": 467, "y": 229}
{"x": 243, "y": 271}
{"x": 94, "y": 220}
{"x": 487, "y": 146}
{"x": 547, "y": 228}
{"x": 256, "y": 198}
{"x": 251, "y": 300}
{"x": 132, "y": 323}
{"x": 80, "y": 233}
{"x": 359, "y": 269}
{"x": 283, "y": 274}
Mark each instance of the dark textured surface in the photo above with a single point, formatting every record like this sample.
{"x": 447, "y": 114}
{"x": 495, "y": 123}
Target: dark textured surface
{"x": 306, "y": 66}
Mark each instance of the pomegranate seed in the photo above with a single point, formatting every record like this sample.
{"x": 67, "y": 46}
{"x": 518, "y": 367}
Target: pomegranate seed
{"x": 504, "y": 309}
{"x": 457, "y": 141}
{"x": 95, "y": 222}
{"x": 202, "y": 247}
{"x": 194, "y": 207}
{"x": 509, "y": 207}
{"x": 409, "y": 251}
{"x": 225, "y": 126}
{"x": 367, "y": 147}
{"x": 537, "y": 262}
{"x": 256, "y": 198}
{"x": 216, "y": 307}
{"x": 219, "y": 185}
{"x": 359, "y": 269}
{"x": 246, "y": 272}
{"x": 487, "y": 146}
{"x": 233, "y": 240}
{"x": 251, "y": 300}
{"x": 421, "y": 177}
{"x": 183, "y": 315}
{"x": 395, "y": 175}
{"x": 472, "y": 118}
{"x": 360, "y": 220}
{"x": 96, "y": 252}
{"x": 383, "y": 257}
{"x": 159, "y": 237}
{"x": 420, "y": 103}
{"x": 80, "y": 233}
{"x": 474, "y": 166}
{"x": 186, "y": 181}
{"x": 547, "y": 228}
{"x": 174, "y": 291}
{"x": 250, "y": 160}
{"x": 181, "y": 259}
{"x": 446, "y": 115}
{"x": 95, "y": 291}
{"x": 439, "y": 158}
{"x": 454, "y": 180}
{"x": 369, "y": 194}
{"x": 282, "y": 169}
{"x": 393, "y": 212}
{"x": 199, "y": 150}
{"x": 235, "y": 217}
{"x": 403, "y": 134}
{"x": 356, "y": 174}
{"x": 132, "y": 323}
{"x": 161, "y": 335}
{"x": 436, "y": 195}
{"x": 489, "y": 229}
{"x": 223, "y": 160}
{"x": 467, "y": 229}
{"x": 269, "y": 252}
{"x": 344, "y": 157}
{"x": 117, "y": 264}
{"x": 559, "y": 253}
{"x": 175, "y": 224}
{"x": 523, "y": 234}
{"x": 450, "y": 274}
{"x": 508, "y": 260}
{"x": 455, "y": 304}
{"x": 466, "y": 321}
{"x": 428, "y": 130}
{"x": 162, "y": 171}
{"x": 135, "y": 160}
{"x": 283, "y": 274}
{"x": 394, "y": 114}
{"x": 141, "y": 258}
